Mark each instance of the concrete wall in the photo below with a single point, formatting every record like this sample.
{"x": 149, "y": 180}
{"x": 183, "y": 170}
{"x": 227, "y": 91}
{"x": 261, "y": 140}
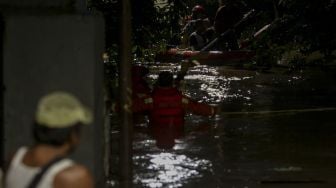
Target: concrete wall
{"x": 44, "y": 53}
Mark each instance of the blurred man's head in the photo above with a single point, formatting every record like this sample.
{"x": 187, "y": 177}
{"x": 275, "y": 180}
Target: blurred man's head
{"x": 166, "y": 79}
{"x": 58, "y": 119}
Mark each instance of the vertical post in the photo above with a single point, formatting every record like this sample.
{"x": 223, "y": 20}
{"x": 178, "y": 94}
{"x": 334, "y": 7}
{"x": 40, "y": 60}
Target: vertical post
{"x": 2, "y": 90}
{"x": 126, "y": 175}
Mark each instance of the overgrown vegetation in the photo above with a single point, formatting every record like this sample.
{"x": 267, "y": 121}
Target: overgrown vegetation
{"x": 153, "y": 26}
{"x": 302, "y": 32}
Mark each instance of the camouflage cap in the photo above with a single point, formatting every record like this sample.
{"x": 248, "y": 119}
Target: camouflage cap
{"x": 61, "y": 110}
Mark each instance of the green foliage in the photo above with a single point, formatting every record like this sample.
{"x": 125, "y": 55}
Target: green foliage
{"x": 299, "y": 28}
{"x": 153, "y": 27}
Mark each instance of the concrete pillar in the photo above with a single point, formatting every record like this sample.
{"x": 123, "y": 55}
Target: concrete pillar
{"x": 44, "y": 52}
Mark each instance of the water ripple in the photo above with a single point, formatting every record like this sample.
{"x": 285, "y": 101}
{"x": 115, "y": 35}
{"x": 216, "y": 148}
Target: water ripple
{"x": 169, "y": 169}
{"x": 214, "y": 88}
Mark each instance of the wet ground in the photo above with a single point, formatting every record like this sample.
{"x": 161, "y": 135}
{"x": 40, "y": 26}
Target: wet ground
{"x": 293, "y": 148}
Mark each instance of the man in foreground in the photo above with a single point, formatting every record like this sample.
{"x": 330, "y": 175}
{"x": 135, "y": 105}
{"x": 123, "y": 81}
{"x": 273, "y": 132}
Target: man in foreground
{"x": 59, "y": 119}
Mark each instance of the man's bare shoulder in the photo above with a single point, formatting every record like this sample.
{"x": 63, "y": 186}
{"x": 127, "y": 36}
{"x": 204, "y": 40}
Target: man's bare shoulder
{"x": 74, "y": 176}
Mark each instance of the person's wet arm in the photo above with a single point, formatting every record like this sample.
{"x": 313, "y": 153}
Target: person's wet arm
{"x": 199, "y": 108}
{"x": 142, "y": 104}
{"x": 138, "y": 105}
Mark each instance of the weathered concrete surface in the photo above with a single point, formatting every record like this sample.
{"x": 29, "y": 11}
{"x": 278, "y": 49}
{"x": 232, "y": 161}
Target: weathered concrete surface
{"x": 44, "y": 53}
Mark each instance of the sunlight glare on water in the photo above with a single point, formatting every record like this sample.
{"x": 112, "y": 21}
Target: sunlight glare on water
{"x": 245, "y": 151}
{"x": 215, "y": 87}
{"x": 170, "y": 169}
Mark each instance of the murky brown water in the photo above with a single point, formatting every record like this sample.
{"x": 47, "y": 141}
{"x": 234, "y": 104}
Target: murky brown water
{"x": 294, "y": 149}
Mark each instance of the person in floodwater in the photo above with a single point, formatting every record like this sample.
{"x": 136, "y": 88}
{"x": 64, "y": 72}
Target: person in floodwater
{"x": 140, "y": 87}
{"x": 58, "y": 122}
{"x": 167, "y": 107}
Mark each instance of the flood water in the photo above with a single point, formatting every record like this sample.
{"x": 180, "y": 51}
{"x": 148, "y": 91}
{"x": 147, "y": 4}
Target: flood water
{"x": 294, "y": 148}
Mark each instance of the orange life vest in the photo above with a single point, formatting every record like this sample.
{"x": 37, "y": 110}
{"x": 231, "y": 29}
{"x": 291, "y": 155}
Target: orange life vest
{"x": 167, "y": 107}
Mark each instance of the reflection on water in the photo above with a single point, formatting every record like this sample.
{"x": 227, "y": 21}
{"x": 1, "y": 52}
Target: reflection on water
{"x": 167, "y": 169}
{"x": 215, "y": 87}
{"x": 245, "y": 151}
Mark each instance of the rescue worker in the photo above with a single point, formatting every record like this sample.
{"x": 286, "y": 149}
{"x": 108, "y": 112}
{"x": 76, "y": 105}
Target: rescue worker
{"x": 197, "y": 39}
{"x": 210, "y": 31}
{"x": 198, "y": 12}
{"x": 168, "y": 106}
{"x": 140, "y": 87}
{"x": 58, "y": 121}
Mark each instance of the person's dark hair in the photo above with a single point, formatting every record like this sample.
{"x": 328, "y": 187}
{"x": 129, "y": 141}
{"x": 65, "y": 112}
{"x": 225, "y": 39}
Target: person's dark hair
{"x": 166, "y": 79}
{"x": 53, "y": 136}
